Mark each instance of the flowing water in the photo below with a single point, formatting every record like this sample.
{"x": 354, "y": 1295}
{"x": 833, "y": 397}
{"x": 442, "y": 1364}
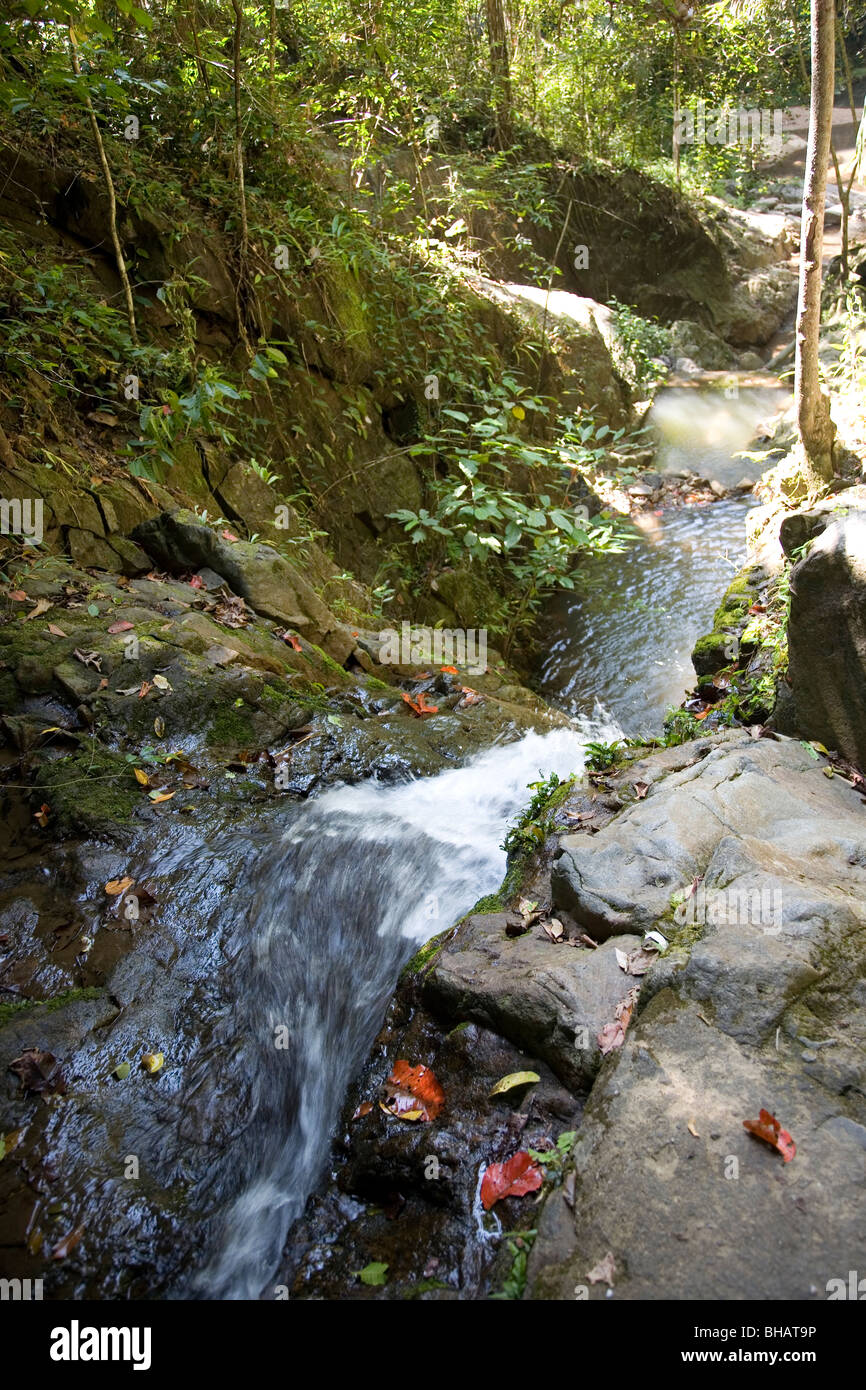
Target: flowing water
{"x": 346, "y": 889}
{"x": 621, "y": 644}
{"x": 344, "y": 894}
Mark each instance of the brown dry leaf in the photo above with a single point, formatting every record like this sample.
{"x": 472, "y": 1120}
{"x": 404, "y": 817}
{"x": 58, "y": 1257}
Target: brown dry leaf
{"x": 159, "y": 726}
{"x": 39, "y": 1071}
{"x": 144, "y": 688}
{"x": 19, "y": 596}
{"x": 41, "y": 816}
{"x": 88, "y": 659}
{"x": 692, "y": 1130}
{"x": 121, "y": 626}
{"x": 363, "y": 1109}
{"x": 612, "y": 1035}
{"x": 42, "y": 606}
{"x": 641, "y": 788}
{"x": 604, "y": 1271}
{"x": 554, "y": 929}
{"x": 118, "y": 885}
{"x": 56, "y": 631}
{"x": 636, "y": 962}
{"x": 65, "y": 1246}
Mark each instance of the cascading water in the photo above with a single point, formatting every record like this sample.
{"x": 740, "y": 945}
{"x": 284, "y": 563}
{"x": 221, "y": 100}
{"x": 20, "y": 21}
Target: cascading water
{"x": 342, "y": 896}
{"x": 334, "y": 900}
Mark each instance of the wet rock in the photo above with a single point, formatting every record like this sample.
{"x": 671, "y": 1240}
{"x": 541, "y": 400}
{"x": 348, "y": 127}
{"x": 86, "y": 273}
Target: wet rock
{"x": 827, "y": 637}
{"x": 549, "y": 998}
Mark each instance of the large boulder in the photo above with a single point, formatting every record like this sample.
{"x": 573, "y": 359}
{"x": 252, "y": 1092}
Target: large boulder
{"x": 758, "y": 1005}
{"x": 827, "y": 636}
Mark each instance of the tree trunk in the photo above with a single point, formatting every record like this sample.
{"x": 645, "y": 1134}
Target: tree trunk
{"x": 500, "y": 67}
{"x": 813, "y": 410}
{"x": 109, "y": 188}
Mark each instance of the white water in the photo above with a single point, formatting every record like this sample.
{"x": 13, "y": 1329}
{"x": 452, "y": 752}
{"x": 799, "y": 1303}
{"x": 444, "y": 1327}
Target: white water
{"x": 354, "y": 884}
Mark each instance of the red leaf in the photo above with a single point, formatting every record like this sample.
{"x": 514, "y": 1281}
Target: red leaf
{"x": 513, "y": 1178}
{"x": 121, "y": 626}
{"x": 413, "y": 1092}
{"x": 291, "y": 641}
{"x": 229, "y": 536}
{"x": 18, "y": 596}
{"x": 451, "y": 670}
{"x": 420, "y": 707}
{"x": 196, "y": 582}
{"x": 767, "y": 1127}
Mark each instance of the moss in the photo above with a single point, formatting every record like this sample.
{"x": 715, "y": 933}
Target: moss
{"x": 8, "y": 1012}
{"x": 231, "y": 727}
{"x": 427, "y": 954}
{"x": 93, "y": 789}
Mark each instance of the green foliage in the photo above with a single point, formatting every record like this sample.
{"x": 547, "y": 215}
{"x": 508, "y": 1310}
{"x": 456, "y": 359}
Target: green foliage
{"x": 519, "y": 1245}
{"x": 601, "y": 756}
{"x": 638, "y": 340}
{"x": 679, "y": 726}
{"x": 536, "y": 821}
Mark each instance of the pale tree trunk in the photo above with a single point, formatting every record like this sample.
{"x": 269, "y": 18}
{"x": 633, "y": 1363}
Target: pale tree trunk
{"x": 813, "y": 410}
{"x": 109, "y": 188}
{"x": 500, "y": 67}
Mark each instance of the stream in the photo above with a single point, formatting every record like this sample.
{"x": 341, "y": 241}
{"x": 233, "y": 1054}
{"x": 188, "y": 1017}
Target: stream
{"x": 349, "y": 886}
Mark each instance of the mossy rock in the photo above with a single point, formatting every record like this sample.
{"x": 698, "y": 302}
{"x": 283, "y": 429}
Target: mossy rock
{"x": 93, "y": 790}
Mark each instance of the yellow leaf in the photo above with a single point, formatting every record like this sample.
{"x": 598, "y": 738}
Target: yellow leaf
{"x": 162, "y": 796}
{"x": 141, "y": 777}
{"x": 518, "y": 412}
{"x": 118, "y": 885}
{"x": 514, "y": 1078}
{"x": 152, "y": 1061}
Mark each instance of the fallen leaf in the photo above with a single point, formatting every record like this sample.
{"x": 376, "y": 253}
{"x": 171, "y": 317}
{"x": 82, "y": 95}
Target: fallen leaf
{"x": 413, "y": 1093}
{"x": 363, "y": 1109}
{"x": 56, "y": 631}
{"x": 42, "y": 606}
{"x": 603, "y": 1272}
{"x": 152, "y": 1061}
{"x": 158, "y": 796}
{"x": 118, "y": 885}
{"x": 121, "y": 626}
{"x": 65, "y": 1246}
{"x": 513, "y": 1178}
{"x": 229, "y": 536}
{"x": 144, "y": 688}
{"x": 292, "y": 641}
{"x": 41, "y": 816}
{"x": 9, "y": 1142}
{"x": 161, "y": 683}
{"x": 39, "y": 1072}
{"x": 641, "y": 788}
{"x": 612, "y": 1035}
{"x": 636, "y": 962}
{"x": 374, "y": 1274}
{"x": 692, "y": 1130}
{"x": 420, "y": 707}
{"x": 88, "y": 658}
{"x": 470, "y": 696}
{"x": 141, "y": 777}
{"x": 159, "y": 726}
{"x": 449, "y": 670}
{"x": 122, "y": 1071}
{"x": 514, "y": 1078}
{"x": 554, "y": 929}
{"x": 767, "y": 1127}
{"x": 19, "y": 596}
{"x": 195, "y": 582}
